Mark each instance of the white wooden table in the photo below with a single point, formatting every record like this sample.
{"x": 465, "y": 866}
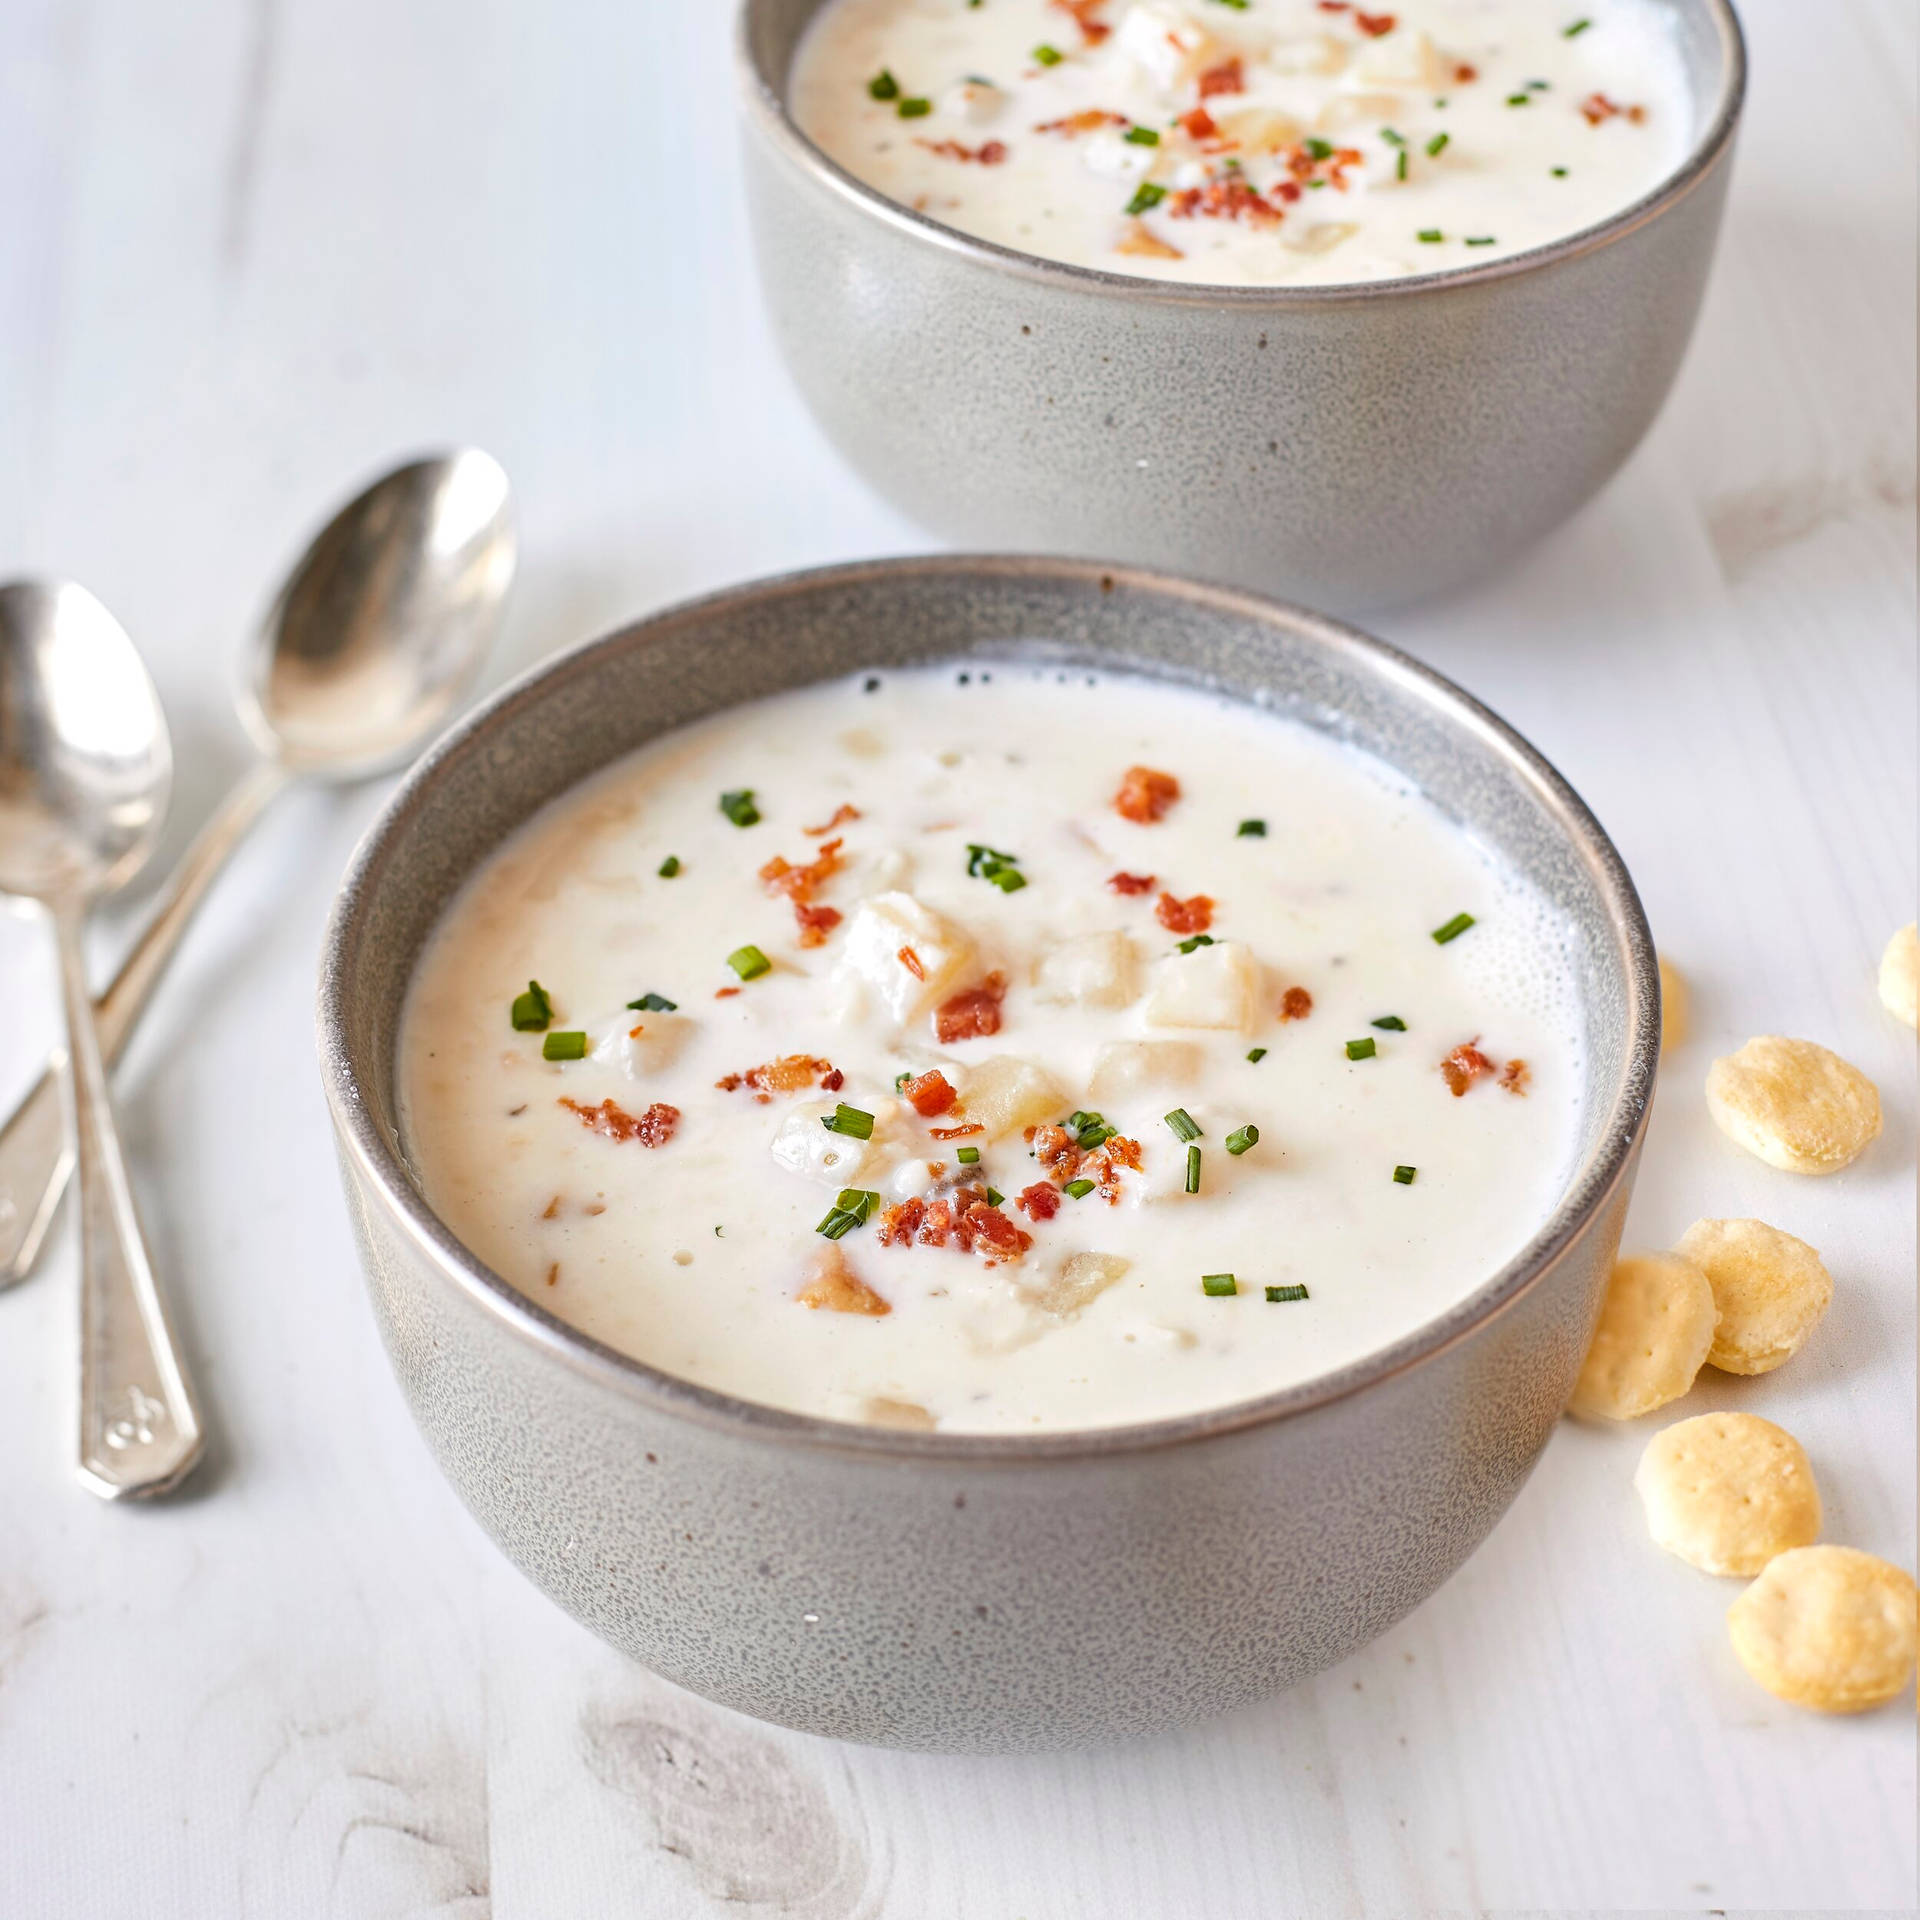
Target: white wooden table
{"x": 250, "y": 250}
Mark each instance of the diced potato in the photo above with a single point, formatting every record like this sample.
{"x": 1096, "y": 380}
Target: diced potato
{"x": 1259, "y": 129}
{"x": 805, "y": 1147}
{"x": 1169, "y": 46}
{"x": 1346, "y": 110}
{"x": 1006, "y": 1095}
{"x": 640, "y": 1044}
{"x": 1322, "y": 236}
{"x": 1315, "y": 53}
{"x": 1406, "y": 59}
{"x": 1126, "y": 1067}
{"x": 1092, "y": 970}
{"x": 1212, "y": 986}
{"x": 1074, "y": 1283}
{"x": 890, "y": 925}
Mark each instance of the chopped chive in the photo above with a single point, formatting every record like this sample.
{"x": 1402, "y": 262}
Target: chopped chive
{"x": 669, "y": 866}
{"x": 1141, "y": 137}
{"x": 1218, "y": 1286}
{"x": 1183, "y": 1124}
{"x": 1438, "y": 145}
{"x": 883, "y": 86}
{"x": 1078, "y": 1189}
{"x": 967, "y": 1156}
{"x": 854, "y": 1208}
{"x": 1193, "y": 1169}
{"x": 1089, "y": 1130}
{"x": 1239, "y": 6}
{"x": 653, "y": 1003}
{"x": 1539, "y": 86}
{"x": 1360, "y": 1049}
{"x": 1400, "y": 164}
{"x": 994, "y": 1196}
{"x": 532, "y": 1010}
{"x": 851, "y": 1121}
{"x": 900, "y": 1080}
{"x": 564, "y": 1046}
{"x": 1559, "y": 173}
{"x": 1048, "y": 56}
{"x": 1257, "y": 1054}
{"x": 837, "y": 1225}
{"x": 1389, "y": 1023}
{"x": 1576, "y": 30}
{"x": 1275, "y": 1295}
{"x": 739, "y": 807}
{"x": 1317, "y": 149}
{"x": 1405, "y": 1176}
{"x": 1391, "y": 138}
{"x": 1241, "y": 1138}
{"x": 1146, "y": 196}
{"x": 1430, "y": 235}
{"x": 1519, "y": 99}
{"x": 1196, "y": 940}
{"x": 914, "y": 109}
{"x": 1480, "y": 240}
{"x": 857, "y": 1200}
{"x": 1453, "y": 929}
{"x": 1251, "y": 830}
{"x": 749, "y": 962}
{"x": 1001, "y": 869}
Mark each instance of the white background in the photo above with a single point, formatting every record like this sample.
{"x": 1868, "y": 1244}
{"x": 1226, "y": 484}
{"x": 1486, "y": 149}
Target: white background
{"x": 251, "y": 250}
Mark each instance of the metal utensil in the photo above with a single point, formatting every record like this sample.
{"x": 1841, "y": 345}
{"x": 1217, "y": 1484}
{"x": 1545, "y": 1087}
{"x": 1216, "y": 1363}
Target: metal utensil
{"x": 376, "y": 635}
{"x": 85, "y": 771}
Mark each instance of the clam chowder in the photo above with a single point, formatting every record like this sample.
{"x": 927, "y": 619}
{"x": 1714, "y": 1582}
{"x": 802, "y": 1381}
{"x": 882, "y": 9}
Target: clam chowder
{"x": 994, "y": 1047}
{"x": 1251, "y": 141}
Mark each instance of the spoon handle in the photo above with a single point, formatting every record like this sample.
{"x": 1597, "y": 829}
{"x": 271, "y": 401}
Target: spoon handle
{"x": 36, "y": 1152}
{"x": 139, "y": 1426}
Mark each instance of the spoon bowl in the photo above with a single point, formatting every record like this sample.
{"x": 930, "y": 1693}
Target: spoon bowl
{"x": 382, "y": 625}
{"x": 85, "y": 765}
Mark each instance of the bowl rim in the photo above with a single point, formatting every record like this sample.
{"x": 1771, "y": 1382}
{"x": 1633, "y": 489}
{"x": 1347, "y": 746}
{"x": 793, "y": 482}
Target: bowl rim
{"x": 376, "y": 1161}
{"x": 764, "y": 104}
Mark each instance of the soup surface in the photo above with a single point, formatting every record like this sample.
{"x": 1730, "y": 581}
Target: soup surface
{"x": 1265, "y": 142}
{"x": 995, "y": 1046}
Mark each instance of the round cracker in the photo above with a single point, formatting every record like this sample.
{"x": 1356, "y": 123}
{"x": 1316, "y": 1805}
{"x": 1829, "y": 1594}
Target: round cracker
{"x": 1828, "y": 1627}
{"x": 1674, "y": 1005}
{"x": 1769, "y": 1291}
{"x": 1796, "y": 1105}
{"x": 1900, "y": 975}
{"x": 1656, "y": 1325}
{"x": 1728, "y": 1491}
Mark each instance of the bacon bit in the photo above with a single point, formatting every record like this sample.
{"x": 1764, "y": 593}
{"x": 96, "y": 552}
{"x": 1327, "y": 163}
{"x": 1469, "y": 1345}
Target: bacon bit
{"x": 832, "y": 1082}
{"x": 1054, "y": 1148}
{"x": 1334, "y": 6}
{"x": 930, "y": 1095}
{"x": 1061, "y": 1159}
{"x": 1596, "y": 107}
{"x": 988, "y": 154}
{"x": 973, "y": 1013}
{"x": 1184, "y": 916}
{"x": 1463, "y": 1066}
{"x": 955, "y": 1133}
{"x": 841, "y": 815}
{"x": 911, "y": 961}
{"x": 1140, "y": 239}
{"x": 634, "y": 1033}
{"x": 788, "y": 1074}
{"x": 1295, "y": 1004}
{"x": 553, "y": 1274}
{"x": 1227, "y": 77}
{"x": 1374, "y": 24}
{"x": 1040, "y": 1201}
{"x": 1091, "y": 121}
{"x": 1228, "y": 199}
{"x": 900, "y": 1222}
{"x": 836, "y": 1287}
{"x": 1465, "y": 73}
{"x": 1289, "y": 190}
{"x": 1092, "y": 31}
{"x": 1333, "y": 169}
{"x": 1200, "y": 125}
{"x": 815, "y": 923}
{"x": 1106, "y": 1164}
{"x": 654, "y": 1128}
{"x": 725, "y": 993}
{"x": 966, "y": 1219}
{"x": 1130, "y": 883}
{"x": 1515, "y": 1075}
{"x": 1145, "y": 795}
{"x": 553, "y": 1209}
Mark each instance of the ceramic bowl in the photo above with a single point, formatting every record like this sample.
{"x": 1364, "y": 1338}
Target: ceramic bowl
{"x": 1346, "y": 446}
{"x": 982, "y": 1592}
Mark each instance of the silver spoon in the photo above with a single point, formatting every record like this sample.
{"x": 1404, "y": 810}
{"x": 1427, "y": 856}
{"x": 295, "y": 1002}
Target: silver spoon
{"x": 85, "y": 770}
{"x": 378, "y": 632}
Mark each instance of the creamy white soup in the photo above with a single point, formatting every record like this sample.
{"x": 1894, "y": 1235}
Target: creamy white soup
{"x": 1269, "y": 141}
{"x": 992, "y": 1048}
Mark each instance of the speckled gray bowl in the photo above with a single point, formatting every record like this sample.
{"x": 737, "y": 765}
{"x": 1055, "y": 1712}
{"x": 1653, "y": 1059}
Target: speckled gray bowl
{"x": 975, "y": 1592}
{"x": 1346, "y": 446}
